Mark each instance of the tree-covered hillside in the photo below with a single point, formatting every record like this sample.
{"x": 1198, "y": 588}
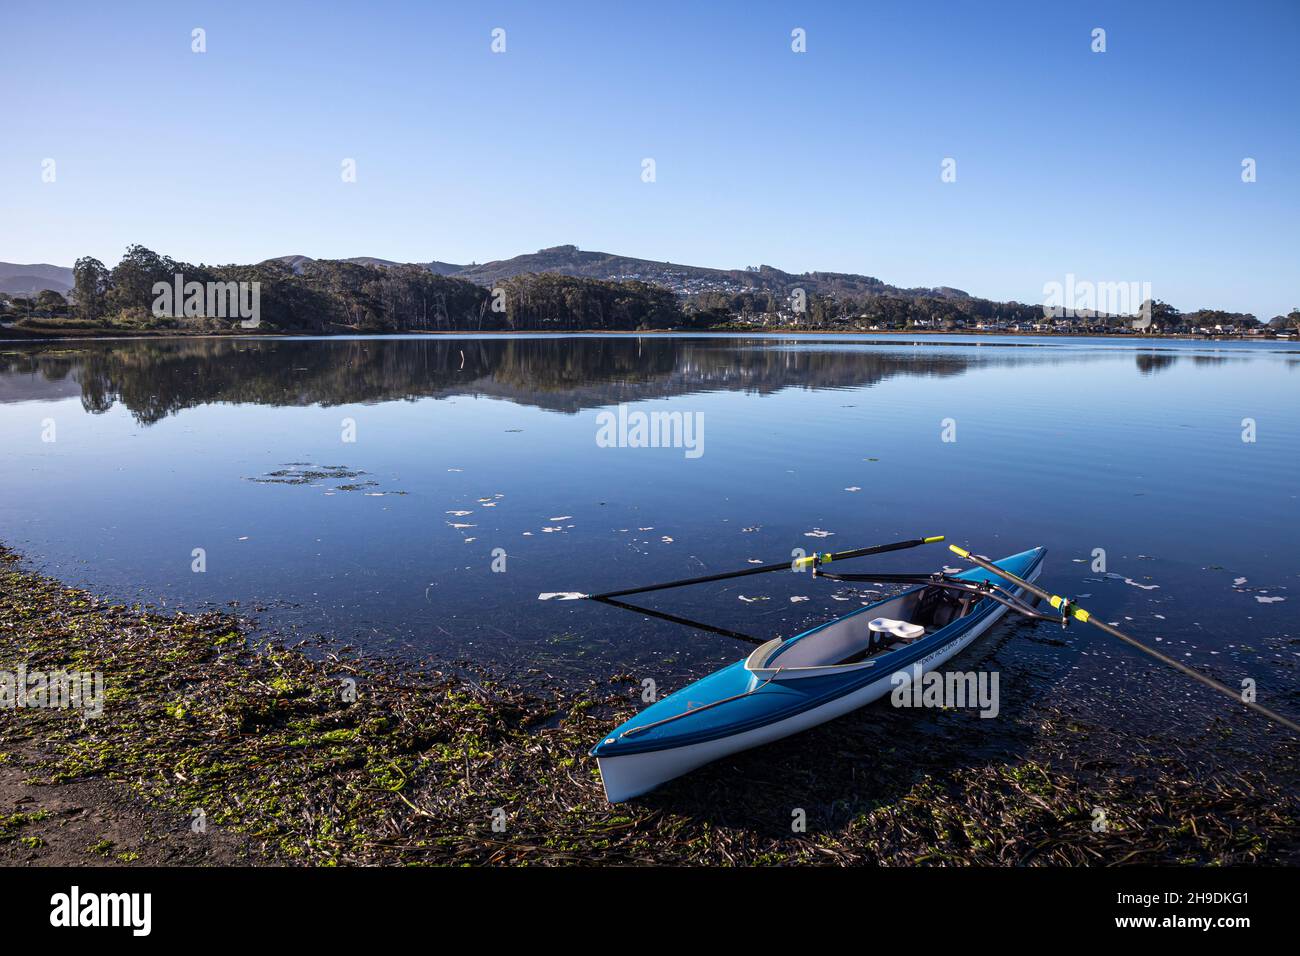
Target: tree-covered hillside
{"x": 567, "y": 290}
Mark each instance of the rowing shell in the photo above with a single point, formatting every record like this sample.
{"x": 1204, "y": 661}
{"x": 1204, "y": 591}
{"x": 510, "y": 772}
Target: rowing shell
{"x": 788, "y": 685}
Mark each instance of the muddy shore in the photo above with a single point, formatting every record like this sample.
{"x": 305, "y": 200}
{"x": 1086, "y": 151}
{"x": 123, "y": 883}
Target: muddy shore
{"x": 218, "y": 745}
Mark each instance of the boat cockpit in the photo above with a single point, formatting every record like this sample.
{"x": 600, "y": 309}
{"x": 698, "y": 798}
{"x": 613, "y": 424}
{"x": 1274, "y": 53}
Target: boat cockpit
{"x": 855, "y": 640}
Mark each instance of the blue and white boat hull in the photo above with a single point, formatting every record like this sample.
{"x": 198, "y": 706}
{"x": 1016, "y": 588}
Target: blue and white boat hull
{"x": 757, "y": 701}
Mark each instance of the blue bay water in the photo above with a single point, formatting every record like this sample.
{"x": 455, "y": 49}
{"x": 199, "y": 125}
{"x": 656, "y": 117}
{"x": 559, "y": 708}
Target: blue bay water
{"x": 1078, "y": 445}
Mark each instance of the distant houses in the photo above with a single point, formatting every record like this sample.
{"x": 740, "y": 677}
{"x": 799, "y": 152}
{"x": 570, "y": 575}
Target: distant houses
{"x": 866, "y": 322}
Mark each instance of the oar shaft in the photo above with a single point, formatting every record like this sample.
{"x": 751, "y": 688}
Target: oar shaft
{"x": 778, "y": 566}
{"x": 684, "y": 621}
{"x": 1029, "y": 586}
{"x": 863, "y": 552}
{"x": 758, "y": 569}
{"x": 1191, "y": 672}
{"x": 944, "y": 581}
{"x": 1080, "y": 614}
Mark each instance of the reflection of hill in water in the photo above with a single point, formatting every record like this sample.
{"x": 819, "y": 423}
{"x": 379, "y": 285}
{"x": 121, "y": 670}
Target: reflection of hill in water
{"x": 155, "y": 379}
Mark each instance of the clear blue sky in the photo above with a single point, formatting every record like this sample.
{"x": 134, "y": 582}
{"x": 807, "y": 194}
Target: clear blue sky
{"x": 1119, "y": 166}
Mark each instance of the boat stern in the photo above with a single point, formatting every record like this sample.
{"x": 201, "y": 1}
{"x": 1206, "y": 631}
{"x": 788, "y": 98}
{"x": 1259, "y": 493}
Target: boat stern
{"x": 628, "y": 775}
{"x": 670, "y": 737}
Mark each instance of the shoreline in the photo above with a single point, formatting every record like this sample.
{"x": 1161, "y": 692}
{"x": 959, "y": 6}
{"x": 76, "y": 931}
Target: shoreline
{"x": 329, "y": 758}
{"x": 7, "y": 334}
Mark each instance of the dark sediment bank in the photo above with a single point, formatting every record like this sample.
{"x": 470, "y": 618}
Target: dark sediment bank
{"x": 216, "y": 746}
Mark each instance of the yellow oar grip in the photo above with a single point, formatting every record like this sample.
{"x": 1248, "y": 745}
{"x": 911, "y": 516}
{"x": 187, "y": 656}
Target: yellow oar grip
{"x": 936, "y": 538}
{"x": 956, "y": 550}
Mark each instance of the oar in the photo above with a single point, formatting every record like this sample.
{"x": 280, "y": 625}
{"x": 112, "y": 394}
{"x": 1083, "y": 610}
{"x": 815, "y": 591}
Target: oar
{"x": 937, "y": 579}
{"x": 824, "y": 558}
{"x": 1070, "y": 610}
{"x": 684, "y": 621}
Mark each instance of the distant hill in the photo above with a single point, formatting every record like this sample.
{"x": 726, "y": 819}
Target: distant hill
{"x": 681, "y": 278}
{"x": 571, "y": 261}
{"x": 437, "y": 268}
{"x": 19, "y": 279}
{"x": 30, "y": 285}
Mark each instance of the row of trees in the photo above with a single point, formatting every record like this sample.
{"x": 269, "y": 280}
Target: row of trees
{"x": 329, "y": 295}
{"x": 46, "y": 303}
{"x": 938, "y": 310}
{"x": 886, "y": 309}
{"x": 550, "y": 301}
{"x": 323, "y": 296}
{"x": 1165, "y": 316}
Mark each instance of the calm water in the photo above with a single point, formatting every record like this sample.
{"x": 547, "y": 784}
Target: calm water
{"x": 467, "y": 445}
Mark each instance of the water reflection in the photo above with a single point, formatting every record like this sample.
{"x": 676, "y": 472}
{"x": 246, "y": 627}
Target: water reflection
{"x": 157, "y": 379}
{"x": 1149, "y": 364}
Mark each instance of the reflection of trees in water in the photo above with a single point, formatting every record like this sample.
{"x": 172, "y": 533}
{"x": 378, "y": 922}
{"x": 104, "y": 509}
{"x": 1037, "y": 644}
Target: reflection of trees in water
{"x": 1149, "y": 364}
{"x": 155, "y": 379}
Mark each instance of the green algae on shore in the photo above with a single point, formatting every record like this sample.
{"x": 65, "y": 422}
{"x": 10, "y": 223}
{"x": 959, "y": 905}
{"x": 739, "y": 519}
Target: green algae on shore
{"x": 328, "y": 760}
